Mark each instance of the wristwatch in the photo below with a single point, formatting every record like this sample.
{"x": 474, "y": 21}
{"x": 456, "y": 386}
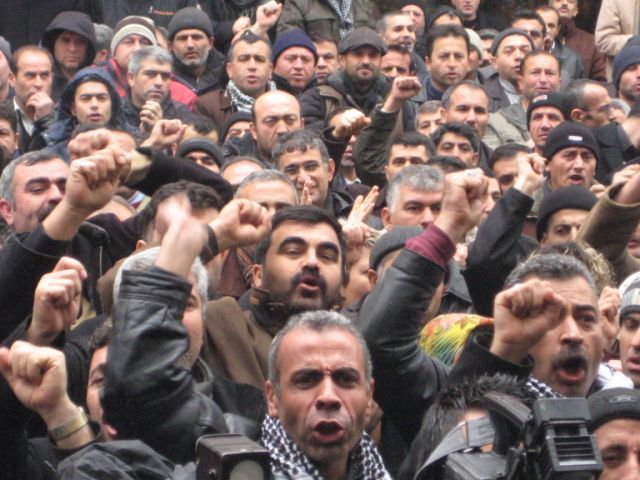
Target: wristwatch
{"x": 72, "y": 426}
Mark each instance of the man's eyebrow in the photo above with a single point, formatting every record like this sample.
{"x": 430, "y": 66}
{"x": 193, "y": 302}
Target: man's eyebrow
{"x": 99, "y": 369}
{"x": 585, "y": 307}
{"x": 292, "y": 240}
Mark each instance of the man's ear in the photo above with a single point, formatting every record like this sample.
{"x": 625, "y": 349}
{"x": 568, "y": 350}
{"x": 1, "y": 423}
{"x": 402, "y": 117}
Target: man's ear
{"x": 73, "y": 109}
{"x": 256, "y": 273}
{"x": 475, "y": 159}
{"x": 385, "y": 216}
{"x": 576, "y": 115}
{"x": 6, "y": 211}
{"x": 331, "y": 169}
{"x": 372, "y": 275}
{"x": 140, "y": 244}
{"x": 427, "y": 62}
{"x": 130, "y": 79}
{"x": 252, "y": 128}
{"x": 272, "y": 399}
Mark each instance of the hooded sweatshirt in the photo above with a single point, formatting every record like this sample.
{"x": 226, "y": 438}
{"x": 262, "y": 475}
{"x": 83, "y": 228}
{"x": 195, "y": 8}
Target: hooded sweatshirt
{"x": 58, "y": 135}
{"x": 75, "y": 22}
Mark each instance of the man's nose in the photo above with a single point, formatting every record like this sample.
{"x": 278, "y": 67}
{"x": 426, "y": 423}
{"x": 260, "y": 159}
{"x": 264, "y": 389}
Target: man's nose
{"x": 328, "y": 398}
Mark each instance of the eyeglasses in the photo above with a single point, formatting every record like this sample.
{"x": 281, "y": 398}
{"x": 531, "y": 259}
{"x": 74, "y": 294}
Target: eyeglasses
{"x": 294, "y": 170}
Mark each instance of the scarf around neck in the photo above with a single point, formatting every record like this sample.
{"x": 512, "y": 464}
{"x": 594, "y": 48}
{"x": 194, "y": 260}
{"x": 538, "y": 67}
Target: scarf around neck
{"x": 241, "y": 101}
{"x": 288, "y": 461}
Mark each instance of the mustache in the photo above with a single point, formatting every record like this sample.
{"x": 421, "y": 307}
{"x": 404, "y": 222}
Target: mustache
{"x": 309, "y": 275}
{"x": 570, "y": 358}
{"x": 45, "y": 211}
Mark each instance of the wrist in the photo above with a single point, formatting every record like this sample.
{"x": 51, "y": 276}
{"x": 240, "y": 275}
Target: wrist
{"x": 64, "y": 221}
{"x": 508, "y": 352}
{"x": 525, "y": 187}
{"x": 60, "y": 413}
{"x": 392, "y": 104}
{"x": 453, "y": 229}
{"x": 220, "y": 233}
{"x": 38, "y": 336}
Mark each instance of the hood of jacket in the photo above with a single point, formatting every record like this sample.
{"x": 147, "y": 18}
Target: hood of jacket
{"x": 76, "y": 22}
{"x": 66, "y": 122}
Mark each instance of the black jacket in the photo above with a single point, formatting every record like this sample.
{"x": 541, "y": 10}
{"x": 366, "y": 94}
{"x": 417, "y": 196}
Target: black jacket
{"x": 170, "y": 110}
{"x": 98, "y": 245}
{"x": 497, "y": 249}
{"x": 616, "y": 150}
{"x": 316, "y": 103}
{"x": 160, "y": 11}
{"x": 147, "y": 395}
{"x": 214, "y": 75}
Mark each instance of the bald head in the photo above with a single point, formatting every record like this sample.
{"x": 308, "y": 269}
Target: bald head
{"x": 274, "y": 113}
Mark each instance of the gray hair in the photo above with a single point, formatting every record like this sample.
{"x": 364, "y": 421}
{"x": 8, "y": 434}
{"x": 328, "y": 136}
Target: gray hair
{"x": 7, "y": 185}
{"x": 551, "y": 266}
{"x": 381, "y": 25}
{"x": 269, "y": 175}
{"x": 419, "y": 177}
{"x": 159, "y": 55}
{"x": 317, "y": 321}
{"x": 299, "y": 141}
{"x": 145, "y": 259}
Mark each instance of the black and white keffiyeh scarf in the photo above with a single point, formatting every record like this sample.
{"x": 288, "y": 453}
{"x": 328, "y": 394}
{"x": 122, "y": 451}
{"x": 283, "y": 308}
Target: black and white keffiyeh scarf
{"x": 242, "y": 102}
{"x": 343, "y": 10}
{"x": 288, "y": 461}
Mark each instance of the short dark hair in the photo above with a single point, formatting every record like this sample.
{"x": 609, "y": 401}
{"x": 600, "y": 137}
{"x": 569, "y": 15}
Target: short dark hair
{"x": 101, "y": 336}
{"x": 447, "y": 163}
{"x": 200, "y": 196}
{"x": 299, "y": 141}
{"x": 538, "y": 53}
{"x": 526, "y": 14}
{"x": 574, "y": 93}
{"x": 457, "y": 128}
{"x": 443, "y": 31}
{"x": 412, "y": 139}
{"x": 251, "y": 38}
{"x": 446, "y": 96}
{"x": 8, "y": 114}
{"x": 318, "y": 36}
{"x": 7, "y": 184}
{"x": 306, "y": 214}
{"x": 403, "y": 51}
{"x": 15, "y": 57}
{"x": 508, "y": 150}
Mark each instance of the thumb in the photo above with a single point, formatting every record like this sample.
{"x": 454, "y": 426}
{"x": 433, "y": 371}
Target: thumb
{"x": 5, "y": 365}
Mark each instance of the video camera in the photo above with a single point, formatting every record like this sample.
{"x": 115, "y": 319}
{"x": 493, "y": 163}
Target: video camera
{"x": 549, "y": 442}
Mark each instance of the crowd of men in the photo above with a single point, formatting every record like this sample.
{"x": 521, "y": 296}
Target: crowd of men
{"x": 329, "y": 229}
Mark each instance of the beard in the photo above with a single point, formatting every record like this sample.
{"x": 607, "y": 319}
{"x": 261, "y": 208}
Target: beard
{"x": 298, "y": 301}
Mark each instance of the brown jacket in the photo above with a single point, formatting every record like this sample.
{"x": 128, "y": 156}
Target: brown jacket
{"x": 609, "y": 228}
{"x": 236, "y": 344}
{"x": 584, "y": 44}
{"x": 617, "y": 22}
{"x": 214, "y": 105}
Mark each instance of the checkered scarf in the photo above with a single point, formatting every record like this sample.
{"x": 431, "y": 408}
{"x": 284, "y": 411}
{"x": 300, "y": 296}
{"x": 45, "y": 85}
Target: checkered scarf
{"x": 541, "y": 389}
{"x": 343, "y": 9}
{"x": 242, "y": 102}
{"x": 289, "y": 462}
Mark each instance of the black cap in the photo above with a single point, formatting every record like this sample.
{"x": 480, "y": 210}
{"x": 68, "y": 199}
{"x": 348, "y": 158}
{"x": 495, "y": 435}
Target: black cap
{"x": 550, "y": 99}
{"x": 573, "y": 196}
{"x": 204, "y": 145}
{"x": 362, "y": 37}
{"x": 190, "y": 17}
{"x": 231, "y": 119}
{"x": 613, "y": 403}
{"x": 570, "y": 134}
{"x": 391, "y": 241}
{"x": 507, "y": 33}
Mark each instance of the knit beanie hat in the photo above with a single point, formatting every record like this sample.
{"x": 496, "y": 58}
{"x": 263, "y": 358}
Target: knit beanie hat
{"x": 570, "y": 134}
{"x": 507, "y": 33}
{"x": 292, "y": 38}
{"x": 627, "y": 57}
{"x": 573, "y": 196}
{"x": 613, "y": 403}
{"x": 190, "y": 17}
{"x": 231, "y": 119}
{"x": 440, "y": 11}
{"x": 476, "y": 42}
{"x": 130, "y": 25}
{"x": 5, "y": 48}
{"x": 391, "y": 241}
{"x": 630, "y": 295}
{"x": 551, "y": 99}
{"x": 204, "y": 145}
